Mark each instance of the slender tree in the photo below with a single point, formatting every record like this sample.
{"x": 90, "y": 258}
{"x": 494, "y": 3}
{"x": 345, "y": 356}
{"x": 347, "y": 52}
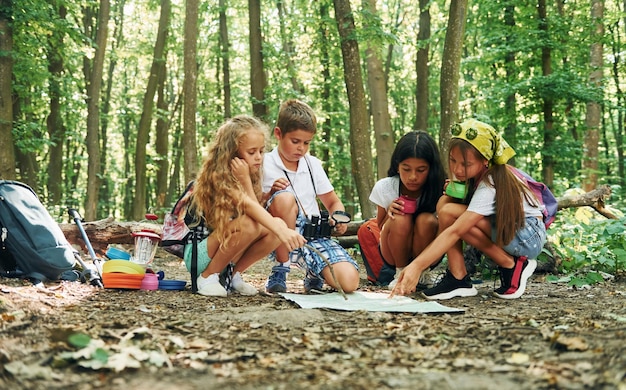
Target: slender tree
{"x": 379, "y": 103}
{"x": 7, "y": 154}
{"x": 54, "y": 121}
{"x": 225, "y": 50}
{"x": 93, "y": 77}
{"x": 360, "y": 143}
{"x": 548, "y": 96}
{"x": 616, "y": 65}
{"x": 162, "y": 132}
{"x": 288, "y": 49}
{"x": 258, "y": 79}
{"x": 190, "y": 155}
{"x": 450, "y": 66}
{"x": 592, "y": 117}
{"x": 422, "y": 91}
{"x": 510, "y": 99}
{"x": 107, "y": 188}
{"x": 140, "y": 205}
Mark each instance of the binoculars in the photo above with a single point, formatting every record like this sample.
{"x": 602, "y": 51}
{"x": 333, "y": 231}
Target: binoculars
{"x": 318, "y": 226}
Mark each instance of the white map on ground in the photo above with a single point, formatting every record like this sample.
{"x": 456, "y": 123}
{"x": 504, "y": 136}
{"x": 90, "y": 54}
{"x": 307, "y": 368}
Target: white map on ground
{"x": 368, "y": 301}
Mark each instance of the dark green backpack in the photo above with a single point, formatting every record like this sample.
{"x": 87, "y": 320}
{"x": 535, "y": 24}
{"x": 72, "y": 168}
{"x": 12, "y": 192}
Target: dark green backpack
{"x": 32, "y": 245}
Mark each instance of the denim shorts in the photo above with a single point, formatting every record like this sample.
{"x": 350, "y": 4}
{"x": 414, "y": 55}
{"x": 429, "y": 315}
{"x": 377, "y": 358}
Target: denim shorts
{"x": 308, "y": 259}
{"x": 528, "y": 241}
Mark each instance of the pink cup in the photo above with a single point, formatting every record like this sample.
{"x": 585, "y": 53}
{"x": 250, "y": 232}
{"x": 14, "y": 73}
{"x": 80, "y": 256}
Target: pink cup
{"x": 410, "y": 204}
{"x": 150, "y": 282}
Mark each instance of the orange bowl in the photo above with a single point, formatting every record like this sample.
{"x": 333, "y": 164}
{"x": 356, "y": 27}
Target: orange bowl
{"x": 122, "y": 280}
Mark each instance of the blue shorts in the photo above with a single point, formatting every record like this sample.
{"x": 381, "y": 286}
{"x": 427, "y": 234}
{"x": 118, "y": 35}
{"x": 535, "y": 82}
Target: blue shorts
{"x": 308, "y": 259}
{"x": 528, "y": 241}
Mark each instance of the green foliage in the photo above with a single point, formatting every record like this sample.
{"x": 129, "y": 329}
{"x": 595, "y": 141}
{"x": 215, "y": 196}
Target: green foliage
{"x": 79, "y": 340}
{"x": 586, "y": 279}
{"x": 502, "y": 81}
{"x": 589, "y": 246}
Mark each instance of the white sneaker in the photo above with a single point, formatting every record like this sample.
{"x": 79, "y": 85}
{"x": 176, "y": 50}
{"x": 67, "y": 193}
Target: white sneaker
{"x": 427, "y": 279}
{"x": 211, "y": 286}
{"x": 395, "y": 278}
{"x": 242, "y": 287}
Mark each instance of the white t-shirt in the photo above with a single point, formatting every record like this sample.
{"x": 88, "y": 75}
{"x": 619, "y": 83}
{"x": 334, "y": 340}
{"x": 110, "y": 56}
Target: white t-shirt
{"x": 302, "y": 179}
{"x": 385, "y": 191}
{"x": 483, "y": 202}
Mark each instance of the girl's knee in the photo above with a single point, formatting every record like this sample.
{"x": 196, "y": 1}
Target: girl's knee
{"x": 426, "y": 219}
{"x": 400, "y": 224}
{"x": 250, "y": 228}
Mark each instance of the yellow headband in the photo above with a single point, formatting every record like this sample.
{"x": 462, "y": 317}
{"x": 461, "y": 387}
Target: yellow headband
{"x": 485, "y": 139}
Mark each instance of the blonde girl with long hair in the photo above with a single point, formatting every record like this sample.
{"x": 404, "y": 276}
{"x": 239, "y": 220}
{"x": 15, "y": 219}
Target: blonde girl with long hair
{"x": 227, "y": 195}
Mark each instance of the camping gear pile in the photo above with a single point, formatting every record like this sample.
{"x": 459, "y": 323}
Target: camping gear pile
{"x": 33, "y": 246}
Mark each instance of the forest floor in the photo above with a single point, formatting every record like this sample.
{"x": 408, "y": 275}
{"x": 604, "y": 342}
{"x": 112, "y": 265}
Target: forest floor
{"x": 554, "y": 337}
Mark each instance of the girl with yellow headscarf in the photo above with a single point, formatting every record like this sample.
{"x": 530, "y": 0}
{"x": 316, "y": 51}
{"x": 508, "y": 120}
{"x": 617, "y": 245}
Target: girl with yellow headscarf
{"x": 499, "y": 216}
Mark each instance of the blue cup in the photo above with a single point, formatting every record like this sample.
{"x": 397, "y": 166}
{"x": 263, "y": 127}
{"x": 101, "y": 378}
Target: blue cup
{"x": 117, "y": 254}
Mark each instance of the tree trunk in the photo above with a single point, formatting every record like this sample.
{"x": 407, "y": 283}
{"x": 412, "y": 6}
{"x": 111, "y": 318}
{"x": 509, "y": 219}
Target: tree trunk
{"x": 377, "y": 82}
{"x": 621, "y": 102}
{"x": 106, "y": 189}
{"x": 225, "y": 50}
{"x": 421, "y": 67}
{"x": 162, "y": 141}
{"x": 592, "y": 117}
{"x": 258, "y": 79}
{"x": 7, "y": 153}
{"x": 360, "y": 144}
{"x": 140, "y": 205}
{"x": 449, "y": 80}
{"x": 54, "y": 121}
{"x": 548, "y": 100}
{"x": 288, "y": 49}
{"x": 325, "y": 127}
{"x": 510, "y": 130}
{"x": 94, "y": 83}
{"x": 190, "y": 149}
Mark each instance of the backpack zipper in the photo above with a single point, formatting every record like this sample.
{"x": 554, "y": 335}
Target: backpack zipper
{"x": 3, "y": 236}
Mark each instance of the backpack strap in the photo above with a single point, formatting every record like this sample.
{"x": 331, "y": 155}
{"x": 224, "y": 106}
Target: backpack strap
{"x": 194, "y": 261}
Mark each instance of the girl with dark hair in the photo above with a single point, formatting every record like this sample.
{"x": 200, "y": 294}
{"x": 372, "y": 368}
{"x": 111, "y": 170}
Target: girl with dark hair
{"x": 406, "y": 201}
{"x": 500, "y": 217}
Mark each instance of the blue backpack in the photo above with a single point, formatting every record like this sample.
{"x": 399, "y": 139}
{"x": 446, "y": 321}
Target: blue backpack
{"x": 543, "y": 195}
{"x": 32, "y": 245}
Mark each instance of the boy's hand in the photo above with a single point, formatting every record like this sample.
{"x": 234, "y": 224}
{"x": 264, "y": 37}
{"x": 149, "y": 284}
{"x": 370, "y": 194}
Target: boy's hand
{"x": 341, "y": 228}
{"x": 279, "y": 185}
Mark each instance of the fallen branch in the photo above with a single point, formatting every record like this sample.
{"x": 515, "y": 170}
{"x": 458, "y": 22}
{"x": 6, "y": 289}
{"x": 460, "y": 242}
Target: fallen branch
{"x": 103, "y": 232}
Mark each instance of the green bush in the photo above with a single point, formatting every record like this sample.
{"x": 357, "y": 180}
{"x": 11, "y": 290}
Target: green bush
{"x": 589, "y": 245}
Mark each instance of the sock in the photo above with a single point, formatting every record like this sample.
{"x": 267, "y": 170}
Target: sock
{"x": 286, "y": 264}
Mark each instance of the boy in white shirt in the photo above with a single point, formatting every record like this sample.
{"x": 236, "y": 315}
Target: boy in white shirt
{"x": 292, "y": 182}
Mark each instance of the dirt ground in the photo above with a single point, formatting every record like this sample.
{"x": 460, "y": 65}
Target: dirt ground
{"x": 554, "y": 337}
